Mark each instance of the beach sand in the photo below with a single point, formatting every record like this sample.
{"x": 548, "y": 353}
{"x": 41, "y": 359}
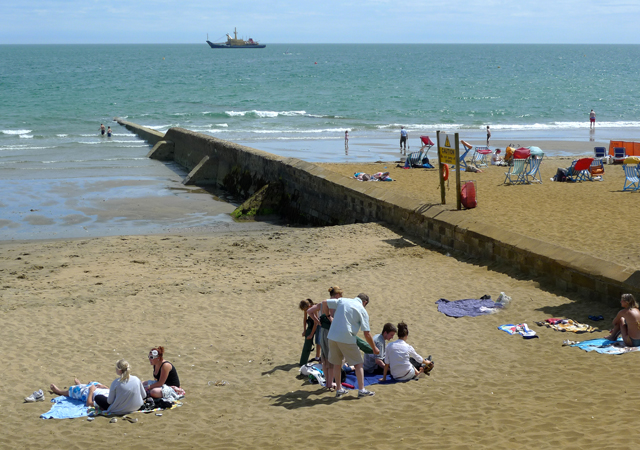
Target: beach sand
{"x": 225, "y": 307}
{"x": 596, "y": 218}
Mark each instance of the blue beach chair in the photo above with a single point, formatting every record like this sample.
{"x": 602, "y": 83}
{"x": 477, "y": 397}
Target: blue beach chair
{"x": 631, "y": 179}
{"x": 467, "y": 148}
{"x": 600, "y": 152}
{"x": 532, "y": 174}
{"x": 619, "y": 155}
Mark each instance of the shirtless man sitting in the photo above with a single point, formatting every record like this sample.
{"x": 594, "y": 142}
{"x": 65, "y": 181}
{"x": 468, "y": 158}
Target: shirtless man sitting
{"x": 627, "y": 322}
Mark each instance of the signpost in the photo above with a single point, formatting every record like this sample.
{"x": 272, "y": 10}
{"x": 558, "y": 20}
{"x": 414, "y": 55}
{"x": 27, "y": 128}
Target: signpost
{"x": 449, "y": 153}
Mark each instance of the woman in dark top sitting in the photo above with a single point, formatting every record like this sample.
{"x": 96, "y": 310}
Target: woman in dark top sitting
{"x": 163, "y": 372}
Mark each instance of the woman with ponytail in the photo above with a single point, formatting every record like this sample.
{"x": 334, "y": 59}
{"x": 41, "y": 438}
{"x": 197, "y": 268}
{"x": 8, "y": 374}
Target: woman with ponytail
{"x": 126, "y": 393}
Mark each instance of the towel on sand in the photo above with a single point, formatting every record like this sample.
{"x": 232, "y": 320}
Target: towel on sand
{"x": 567, "y": 325}
{"x": 605, "y": 346}
{"x": 66, "y": 408}
{"x": 520, "y": 328}
{"x": 368, "y": 379}
{"x": 468, "y": 307}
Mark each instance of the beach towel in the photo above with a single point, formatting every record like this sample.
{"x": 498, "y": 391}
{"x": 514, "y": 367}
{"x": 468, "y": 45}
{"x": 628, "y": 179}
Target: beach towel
{"x": 369, "y": 379}
{"x": 605, "y": 346}
{"x": 468, "y": 307}
{"x": 567, "y": 325}
{"x": 66, "y": 408}
{"x": 521, "y": 329}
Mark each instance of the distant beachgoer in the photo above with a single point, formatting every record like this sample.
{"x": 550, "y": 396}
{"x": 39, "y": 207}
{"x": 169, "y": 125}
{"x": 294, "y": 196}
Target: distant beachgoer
{"x": 102, "y": 130}
{"x": 375, "y": 363}
{"x": 402, "y": 360}
{"x": 346, "y": 138}
{"x": 496, "y": 159}
{"x": 85, "y": 392}
{"x": 309, "y": 328}
{"x": 627, "y": 322}
{"x": 592, "y": 119}
{"x": 488, "y": 135}
{"x": 163, "y": 372}
{"x": 109, "y": 132}
{"x": 403, "y": 139}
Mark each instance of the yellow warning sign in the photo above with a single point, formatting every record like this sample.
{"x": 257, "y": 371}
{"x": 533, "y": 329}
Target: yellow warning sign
{"x": 447, "y": 153}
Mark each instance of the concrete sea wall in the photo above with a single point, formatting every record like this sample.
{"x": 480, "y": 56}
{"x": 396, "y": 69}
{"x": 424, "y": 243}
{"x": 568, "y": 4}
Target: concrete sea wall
{"x": 324, "y": 197}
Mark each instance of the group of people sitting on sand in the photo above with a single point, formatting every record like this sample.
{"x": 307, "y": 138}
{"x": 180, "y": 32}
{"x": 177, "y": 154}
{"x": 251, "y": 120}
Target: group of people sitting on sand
{"x": 127, "y": 393}
{"x": 337, "y": 322}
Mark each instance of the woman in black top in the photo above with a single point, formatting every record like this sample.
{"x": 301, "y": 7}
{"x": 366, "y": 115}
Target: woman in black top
{"x": 163, "y": 372}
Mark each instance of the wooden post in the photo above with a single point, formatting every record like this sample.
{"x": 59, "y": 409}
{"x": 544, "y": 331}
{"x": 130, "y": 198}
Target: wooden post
{"x": 443, "y": 196}
{"x": 458, "y": 192}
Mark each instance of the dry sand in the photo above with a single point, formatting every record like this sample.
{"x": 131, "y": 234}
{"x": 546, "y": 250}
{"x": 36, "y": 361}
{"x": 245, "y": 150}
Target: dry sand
{"x": 596, "y": 218}
{"x": 225, "y": 308}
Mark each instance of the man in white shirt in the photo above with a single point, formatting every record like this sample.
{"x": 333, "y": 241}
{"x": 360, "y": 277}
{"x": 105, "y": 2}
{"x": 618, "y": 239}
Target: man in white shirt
{"x": 349, "y": 317}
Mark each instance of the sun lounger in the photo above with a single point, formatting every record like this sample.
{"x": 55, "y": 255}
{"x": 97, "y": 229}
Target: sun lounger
{"x": 600, "y": 152}
{"x": 619, "y": 154}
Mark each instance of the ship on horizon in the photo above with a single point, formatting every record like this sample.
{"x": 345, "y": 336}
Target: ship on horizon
{"x": 235, "y": 42}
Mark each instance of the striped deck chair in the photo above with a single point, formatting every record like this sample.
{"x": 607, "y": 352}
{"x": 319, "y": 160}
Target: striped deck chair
{"x": 480, "y": 155}
{"x": 467, "y": 148}
{"x": 414, "y": 159}
{"x": 631, "y": 178}
{"x": 517, "y": 172}
{"x": 532, "y": 174}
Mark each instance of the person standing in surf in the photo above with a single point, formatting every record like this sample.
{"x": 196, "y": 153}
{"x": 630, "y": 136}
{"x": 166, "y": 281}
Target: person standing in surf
{"x": 102, "y": 130}
{"x": 109, "y": 132}
{"x": 592, "y": 120}
{"x": 488, "y": 135}
{"x": 403, "y": 139}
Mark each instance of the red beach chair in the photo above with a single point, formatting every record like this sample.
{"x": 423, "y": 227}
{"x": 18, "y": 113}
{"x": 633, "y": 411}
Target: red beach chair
{"x": 426, "y": 143}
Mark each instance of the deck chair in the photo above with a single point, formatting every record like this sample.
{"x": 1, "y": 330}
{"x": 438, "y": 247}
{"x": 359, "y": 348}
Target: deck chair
{"x": 467, "y": 148}
{"x": 600, "y": 152}
{"x": 597, "y": 167}
{"x": 631, "y": 179}
{"x": 480, "y": 155}
{"x": 532, "y": 174}
{"x": 619, "y": 154}
{"x": 517, "y": 172}
{"x": 579, "y": 170}
{"x": 426, "y": 144}
{"x": 414, "y": 159}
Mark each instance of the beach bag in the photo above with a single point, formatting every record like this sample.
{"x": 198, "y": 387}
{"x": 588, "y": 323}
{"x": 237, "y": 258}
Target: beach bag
{"x": 468, "y": 195}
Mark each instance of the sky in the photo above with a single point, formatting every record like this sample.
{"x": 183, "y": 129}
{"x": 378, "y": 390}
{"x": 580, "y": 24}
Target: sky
{"x": 324, "y": 21}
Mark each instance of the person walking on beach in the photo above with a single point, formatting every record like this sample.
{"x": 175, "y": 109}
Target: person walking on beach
{"x": 403, "y": 139}
{"x": 349, "y": 317}
{"x": 592, "y": 120}
{"x": 102, "y": 130}
{"x": 488, "y": 135}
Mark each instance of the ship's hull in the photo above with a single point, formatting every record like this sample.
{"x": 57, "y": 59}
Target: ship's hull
{"x": 214, "y": 45}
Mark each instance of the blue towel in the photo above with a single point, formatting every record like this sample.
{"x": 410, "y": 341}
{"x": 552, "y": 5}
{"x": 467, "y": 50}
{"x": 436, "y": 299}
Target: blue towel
{"x": 468, "y": 307}
{"x": 368, "y": 379}
{"x": 66, "y": 408}
{"x": 605, "y": 346}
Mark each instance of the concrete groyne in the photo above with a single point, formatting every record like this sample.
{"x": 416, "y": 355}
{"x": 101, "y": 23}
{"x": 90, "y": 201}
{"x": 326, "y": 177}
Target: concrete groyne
{"x": 317, "y": 195}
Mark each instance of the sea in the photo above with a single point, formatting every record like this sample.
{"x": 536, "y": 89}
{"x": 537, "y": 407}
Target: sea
{"x": 61, "y": 178}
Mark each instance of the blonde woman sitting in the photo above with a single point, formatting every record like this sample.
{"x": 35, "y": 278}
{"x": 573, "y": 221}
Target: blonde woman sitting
{"x": 126, "y": 393}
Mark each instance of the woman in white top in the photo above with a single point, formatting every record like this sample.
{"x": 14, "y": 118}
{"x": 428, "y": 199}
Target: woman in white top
{"x": 401, "y": 358}
{"x": 126, "y": 393}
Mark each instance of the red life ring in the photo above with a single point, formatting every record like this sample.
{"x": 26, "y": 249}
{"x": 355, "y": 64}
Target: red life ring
{"x": 445, "y": 171}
